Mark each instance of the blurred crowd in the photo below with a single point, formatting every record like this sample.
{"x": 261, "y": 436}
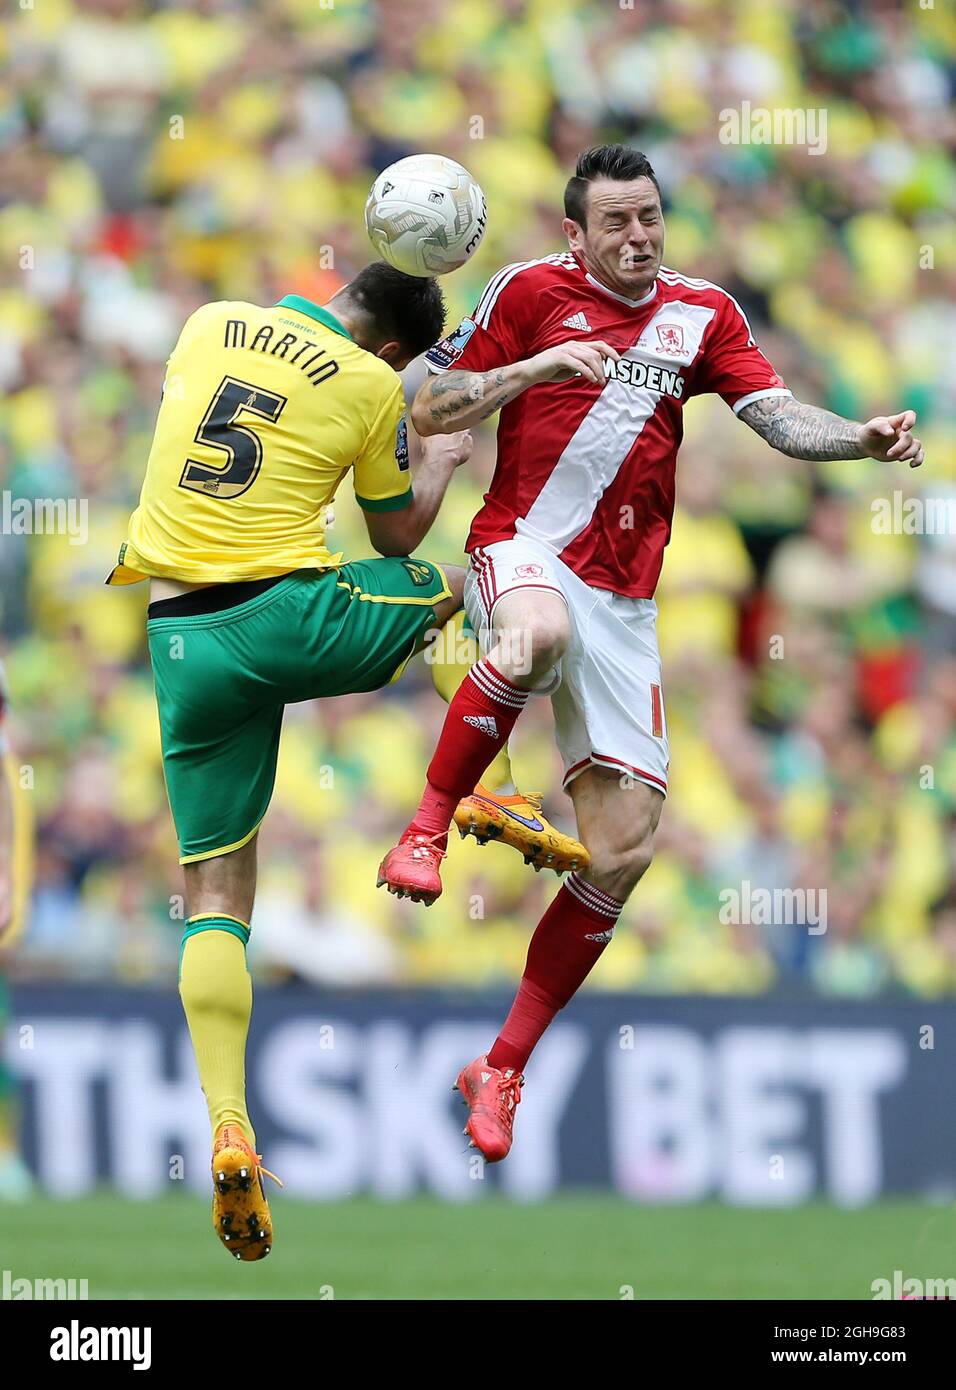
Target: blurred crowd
{"x": 154, "y": 156}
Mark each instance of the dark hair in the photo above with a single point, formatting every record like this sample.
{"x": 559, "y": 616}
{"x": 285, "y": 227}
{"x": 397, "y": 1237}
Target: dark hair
{"x": 408, "y": 309}
{"x": 603, "y": 162}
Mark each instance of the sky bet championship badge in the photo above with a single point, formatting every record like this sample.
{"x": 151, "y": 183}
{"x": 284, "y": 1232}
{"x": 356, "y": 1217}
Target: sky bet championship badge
{"x": 446, "y": 353}
{"x": 401, "y": 445}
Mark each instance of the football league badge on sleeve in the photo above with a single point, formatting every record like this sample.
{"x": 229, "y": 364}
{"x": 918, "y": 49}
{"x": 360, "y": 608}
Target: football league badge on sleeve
{"x": 446, "y": 353}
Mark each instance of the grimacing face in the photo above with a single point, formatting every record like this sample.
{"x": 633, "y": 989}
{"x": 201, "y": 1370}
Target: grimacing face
{"x": 623, "y": 244}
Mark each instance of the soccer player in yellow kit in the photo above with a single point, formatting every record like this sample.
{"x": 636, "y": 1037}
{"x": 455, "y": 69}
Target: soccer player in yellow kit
{"x": 264, "y": 412}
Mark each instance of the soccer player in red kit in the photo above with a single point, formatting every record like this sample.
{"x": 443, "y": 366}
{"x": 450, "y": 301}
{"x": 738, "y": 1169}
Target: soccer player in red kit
{"x": 589, "y": 355}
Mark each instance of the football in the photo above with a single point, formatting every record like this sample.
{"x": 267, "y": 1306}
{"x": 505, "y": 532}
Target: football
{"x": 425, "y": 215}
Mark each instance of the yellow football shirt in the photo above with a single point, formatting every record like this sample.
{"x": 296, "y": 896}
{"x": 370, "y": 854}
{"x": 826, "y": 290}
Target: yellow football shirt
{"x": 264, "y": 411}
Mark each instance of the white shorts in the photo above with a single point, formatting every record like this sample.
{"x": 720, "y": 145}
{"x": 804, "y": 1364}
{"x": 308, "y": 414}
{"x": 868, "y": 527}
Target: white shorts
{"x": 606, "y": 690}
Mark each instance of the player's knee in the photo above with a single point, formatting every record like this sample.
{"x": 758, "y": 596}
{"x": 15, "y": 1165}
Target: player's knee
{"x": 618, "y": 871}
{"x": 531, "y": 650}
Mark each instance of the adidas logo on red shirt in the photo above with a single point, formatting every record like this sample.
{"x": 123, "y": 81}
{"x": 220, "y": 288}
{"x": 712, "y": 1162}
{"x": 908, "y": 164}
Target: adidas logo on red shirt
{"x": 578, "y": 321}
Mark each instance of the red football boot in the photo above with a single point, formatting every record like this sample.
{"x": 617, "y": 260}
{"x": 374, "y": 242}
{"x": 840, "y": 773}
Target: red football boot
{"x": 410, "y": 870}
{"x": 492, "y": 1096}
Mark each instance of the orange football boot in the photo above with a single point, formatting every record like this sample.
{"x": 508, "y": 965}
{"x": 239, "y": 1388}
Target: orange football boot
{"x": 518, "y": 821}
{"x": 240, "y": 1211}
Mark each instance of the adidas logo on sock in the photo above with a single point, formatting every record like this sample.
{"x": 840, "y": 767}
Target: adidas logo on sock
{"x": 484, "y": 722}
{"x": 577, "y": 321}
{"x": 602, "y": 936}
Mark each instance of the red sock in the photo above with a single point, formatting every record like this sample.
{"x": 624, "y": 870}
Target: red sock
{"x": 479, "y": 720}
{"x": 566, "y": 945}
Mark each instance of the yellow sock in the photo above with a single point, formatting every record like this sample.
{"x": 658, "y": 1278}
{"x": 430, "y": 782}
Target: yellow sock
{"x": 452, "y": 657}
{"x": 216, "y": 990}
{"x": 8, "y": 1128}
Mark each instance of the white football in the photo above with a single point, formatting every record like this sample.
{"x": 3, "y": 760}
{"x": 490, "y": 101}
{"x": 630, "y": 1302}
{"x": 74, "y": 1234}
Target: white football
{"x": 425, "y": 215}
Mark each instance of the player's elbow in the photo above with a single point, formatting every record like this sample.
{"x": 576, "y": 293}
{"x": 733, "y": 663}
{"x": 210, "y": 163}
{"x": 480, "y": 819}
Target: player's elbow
{"x": 392, "y": 537}
{"x": 422, "y": 419}
{"x": 390, "y": 550}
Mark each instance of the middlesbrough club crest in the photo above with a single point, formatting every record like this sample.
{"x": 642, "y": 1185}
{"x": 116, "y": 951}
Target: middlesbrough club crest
{"x": 670, "y": 337}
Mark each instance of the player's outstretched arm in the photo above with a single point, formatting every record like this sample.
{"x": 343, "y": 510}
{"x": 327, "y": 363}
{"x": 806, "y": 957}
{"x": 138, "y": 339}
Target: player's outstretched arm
{"x": 806, "y": 432}
{"x": 460, "y": 400}
{"x": 398, "y": 533}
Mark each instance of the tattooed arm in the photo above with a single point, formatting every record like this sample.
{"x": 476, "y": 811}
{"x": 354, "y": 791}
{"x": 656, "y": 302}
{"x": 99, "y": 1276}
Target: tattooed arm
{"x": 806, "y": 432}
{"x": 453, "y": 401}
{"x": 459, "y": 400}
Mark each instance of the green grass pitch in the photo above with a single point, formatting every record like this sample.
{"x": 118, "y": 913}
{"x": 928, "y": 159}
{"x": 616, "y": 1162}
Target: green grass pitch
{"x": 572, "y": 1247}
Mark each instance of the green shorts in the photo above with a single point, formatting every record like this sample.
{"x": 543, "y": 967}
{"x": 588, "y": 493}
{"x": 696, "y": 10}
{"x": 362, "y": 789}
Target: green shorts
{"x": 223, "y": 680}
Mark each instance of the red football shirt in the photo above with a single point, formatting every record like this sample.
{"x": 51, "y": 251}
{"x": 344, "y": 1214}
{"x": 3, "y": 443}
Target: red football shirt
{"x": 588, "y": 469}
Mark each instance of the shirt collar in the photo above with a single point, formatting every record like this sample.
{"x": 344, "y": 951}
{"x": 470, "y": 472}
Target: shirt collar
{"x": 301, "y": 305}
{"x": 622, "y": 299}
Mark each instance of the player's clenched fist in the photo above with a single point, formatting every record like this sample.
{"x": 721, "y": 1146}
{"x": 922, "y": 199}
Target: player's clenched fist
{"x": 889, "y": 438}
{"x": 454, "y": 448}
{"x": 572, "y": 359}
